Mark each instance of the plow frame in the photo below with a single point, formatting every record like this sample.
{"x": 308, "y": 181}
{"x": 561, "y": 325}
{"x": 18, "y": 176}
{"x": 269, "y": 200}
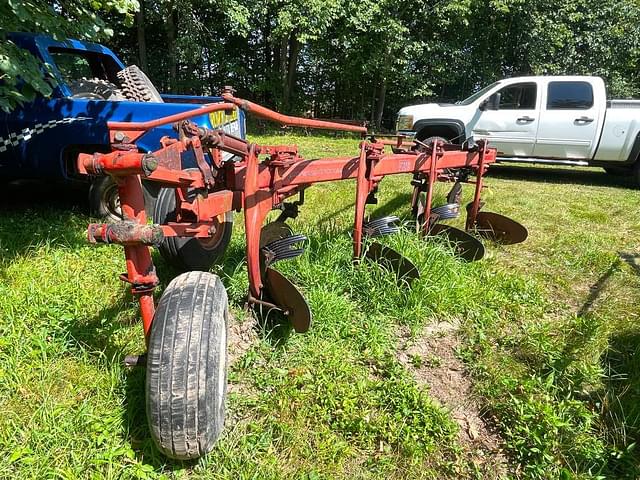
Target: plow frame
{"x": 252, "y": 185}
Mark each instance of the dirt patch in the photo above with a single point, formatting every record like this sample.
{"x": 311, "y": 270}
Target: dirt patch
{"x": 431, "y": 358}
{"x": 241, "y": 336}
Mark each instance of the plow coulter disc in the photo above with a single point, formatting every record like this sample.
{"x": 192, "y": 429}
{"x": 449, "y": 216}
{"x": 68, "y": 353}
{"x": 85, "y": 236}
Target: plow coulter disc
{"x": 287, "y": 296}
{"x": 402, "y": 266}
{"x": 500, "y": 229}
{"x": 466, "y": 246}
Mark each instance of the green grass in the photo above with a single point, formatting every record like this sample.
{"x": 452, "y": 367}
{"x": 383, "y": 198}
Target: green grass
{"x": 550, "y": 336}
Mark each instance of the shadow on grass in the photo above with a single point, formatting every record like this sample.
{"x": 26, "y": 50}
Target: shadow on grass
{"x": 560, "y": 175}
{"x": 618, "y": 399}
{"x": 597, "y": 288}
{"x": 33, "y": 213}
{"x": 99, "y": 335}
{"x": 32, "y": 194}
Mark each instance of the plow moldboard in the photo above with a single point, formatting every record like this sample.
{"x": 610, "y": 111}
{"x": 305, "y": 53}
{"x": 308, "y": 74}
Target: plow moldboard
{"x": 500, "y": 229}
{"x": 387, "y": 256}
{"x": 274, "y": 231}
{"x": 287, "y": 296}
{"x": 466, "y": 246}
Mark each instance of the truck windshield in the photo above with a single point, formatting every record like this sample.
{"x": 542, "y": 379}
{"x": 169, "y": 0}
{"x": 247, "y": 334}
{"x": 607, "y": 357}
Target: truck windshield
{"x": 477, "y": 95}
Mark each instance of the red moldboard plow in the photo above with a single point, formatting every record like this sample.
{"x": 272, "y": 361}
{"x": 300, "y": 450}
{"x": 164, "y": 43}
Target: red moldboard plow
{"x": 191, "y": 228}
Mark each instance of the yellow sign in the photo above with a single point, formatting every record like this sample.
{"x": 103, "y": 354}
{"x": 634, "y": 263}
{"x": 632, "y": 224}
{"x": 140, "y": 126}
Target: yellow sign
{"x": 221, "y": 118}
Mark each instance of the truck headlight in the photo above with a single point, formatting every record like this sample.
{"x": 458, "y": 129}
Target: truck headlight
{"x": 404, "y": 122}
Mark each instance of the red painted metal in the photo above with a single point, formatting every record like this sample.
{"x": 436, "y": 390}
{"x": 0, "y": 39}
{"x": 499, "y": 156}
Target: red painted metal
{"x": 141, "y": 273}
{"x": 178, "y": 117}
{"x": 267, "y": 114}
{"x": 475, "y": 205}
{"x": 251, "y": 184}
{"x": 125, "y": 233}
{"x": 362, "y": 190}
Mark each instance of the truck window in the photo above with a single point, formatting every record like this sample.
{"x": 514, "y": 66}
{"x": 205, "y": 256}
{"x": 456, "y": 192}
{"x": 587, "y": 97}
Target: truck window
{"x": 77, "y": 64}
{"x": 519, "y": 96}
{"x": 569, "y": 96}
{"x": 72, "y": 67}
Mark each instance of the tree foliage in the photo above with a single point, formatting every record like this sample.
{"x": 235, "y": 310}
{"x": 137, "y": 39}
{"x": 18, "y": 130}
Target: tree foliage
{"x": 342, "y": 58}
{"x": 21, "y": 76}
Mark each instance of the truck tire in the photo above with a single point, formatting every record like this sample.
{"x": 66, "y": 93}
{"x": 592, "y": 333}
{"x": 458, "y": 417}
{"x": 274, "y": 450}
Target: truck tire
{"x": 95, "y": 89}
{"x": 186, "y": 379}
{"x": 186, "y": 254}
{"x": 136, "y": 86}
{"x": 430, "y": 140}
{"x": 104, "y": 201}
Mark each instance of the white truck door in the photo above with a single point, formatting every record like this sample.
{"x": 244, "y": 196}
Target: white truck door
{"x": 569, "y": 120}
{"x": 511, "y": 128}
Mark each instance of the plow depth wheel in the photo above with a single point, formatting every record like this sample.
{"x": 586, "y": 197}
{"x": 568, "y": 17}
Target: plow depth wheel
{"x": 186, "y": 383}
{"x": 187, "y": 254}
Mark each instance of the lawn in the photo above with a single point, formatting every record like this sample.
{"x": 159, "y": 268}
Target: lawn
{"x": 543, "y": 338}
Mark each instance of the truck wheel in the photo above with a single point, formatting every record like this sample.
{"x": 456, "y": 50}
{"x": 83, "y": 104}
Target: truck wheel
{"x": 430, "y": 140}
{"x": 95, "y": 89}
{"x": 186, "y": 382}
{"x": 187, "y": 254}
{"x": 137, "y": 87}
{"x": 104, "y": 201}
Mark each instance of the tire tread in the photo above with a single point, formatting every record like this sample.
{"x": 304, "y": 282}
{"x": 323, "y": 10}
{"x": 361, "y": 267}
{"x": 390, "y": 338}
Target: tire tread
{"x": 182, "y": 372}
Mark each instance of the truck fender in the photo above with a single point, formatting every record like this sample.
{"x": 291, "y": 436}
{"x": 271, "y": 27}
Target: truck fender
{"x": 449, "y": 128}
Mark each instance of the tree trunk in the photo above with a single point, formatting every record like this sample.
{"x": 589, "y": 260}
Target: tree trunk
{"x": 171, "y": 46}
{"x": 382, "y": 92}
{"x": 290, "y": 81}
{"x": 142, "y": 44}
{"x": 282, "y": 68}
{"x": 268, "y": 59}
{"x": 382, "y": 89}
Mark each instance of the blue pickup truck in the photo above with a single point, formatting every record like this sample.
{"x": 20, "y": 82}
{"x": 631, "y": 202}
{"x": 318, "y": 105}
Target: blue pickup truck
{"x": 42, "y": 139}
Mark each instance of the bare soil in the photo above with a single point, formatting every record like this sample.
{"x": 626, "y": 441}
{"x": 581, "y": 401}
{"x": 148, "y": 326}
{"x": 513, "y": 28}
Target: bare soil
{"x": 241, "y": 336}
{"x": 431, "y": 358}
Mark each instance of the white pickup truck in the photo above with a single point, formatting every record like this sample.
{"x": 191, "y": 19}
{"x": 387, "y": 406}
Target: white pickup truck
{"x": 563, "y": 120}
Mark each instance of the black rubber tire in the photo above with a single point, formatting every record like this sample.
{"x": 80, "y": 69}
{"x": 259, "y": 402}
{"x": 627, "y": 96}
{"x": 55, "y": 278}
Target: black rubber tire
{"x": 104, "y": 202}
{"x": 103, "y": 199}
{"x": 186, "y": 379}
{"x": 95, "y": 89}
{"x": 136, "y": 86}
{"x": 430, "y": 140}
{"x": 188, "y": 254}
